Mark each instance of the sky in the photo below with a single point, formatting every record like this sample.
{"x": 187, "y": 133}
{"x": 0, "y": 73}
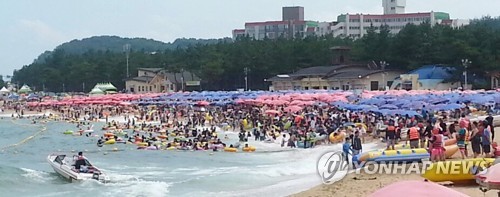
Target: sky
{"x": 28, "y": 28}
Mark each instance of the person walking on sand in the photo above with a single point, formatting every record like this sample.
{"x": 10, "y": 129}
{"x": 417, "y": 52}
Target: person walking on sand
{"x": 462, "y": 132}
{"x": 356, "y": 144}
{"x": 475, "y": 139}
{"x": 347, "y": 149}
{"x": 390, "y": 136}
{"x": 414, "y": 137}
{"x": 486, "y": 139}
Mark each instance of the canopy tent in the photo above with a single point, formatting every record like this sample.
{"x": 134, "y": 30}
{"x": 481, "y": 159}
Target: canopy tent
{"x": 4, "y": 90}
{"x": 96, "y": 91}
{"x": 105, "y": 88}
{"x": 24, "y": 89}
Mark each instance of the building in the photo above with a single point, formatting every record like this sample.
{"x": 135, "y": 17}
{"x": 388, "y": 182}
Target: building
{"x": 342, "y": 74}
{"x": 292, "y": 25}
{"x": 394, "y": 6}
{"x": 394, "y": 16}
{"x": 158, "y": 80}
{"x": 430, "y": 77}
{"x": 356, "y": 25}
{"x": 295, "y": 13}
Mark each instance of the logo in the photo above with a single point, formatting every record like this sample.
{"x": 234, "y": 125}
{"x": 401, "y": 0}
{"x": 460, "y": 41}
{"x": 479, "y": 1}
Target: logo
{"x": 332, "y": 167}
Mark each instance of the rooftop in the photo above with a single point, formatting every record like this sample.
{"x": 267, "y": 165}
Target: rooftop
{"x": 155, "y": 70}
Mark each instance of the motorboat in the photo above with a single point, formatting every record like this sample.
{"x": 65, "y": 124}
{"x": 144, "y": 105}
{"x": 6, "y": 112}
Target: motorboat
{"x": 75, "y": 169}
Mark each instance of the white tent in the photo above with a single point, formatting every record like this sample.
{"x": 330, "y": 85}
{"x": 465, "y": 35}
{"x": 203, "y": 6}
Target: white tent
{"x": 4, "y": 90}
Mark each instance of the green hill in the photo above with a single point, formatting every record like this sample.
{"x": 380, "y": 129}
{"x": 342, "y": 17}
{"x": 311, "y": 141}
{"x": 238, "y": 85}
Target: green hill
{"x": 116, "y": 44}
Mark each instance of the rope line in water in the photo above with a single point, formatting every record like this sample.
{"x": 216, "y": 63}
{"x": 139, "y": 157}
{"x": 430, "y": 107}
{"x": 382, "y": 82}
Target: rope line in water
{"x": 44, "y": 128}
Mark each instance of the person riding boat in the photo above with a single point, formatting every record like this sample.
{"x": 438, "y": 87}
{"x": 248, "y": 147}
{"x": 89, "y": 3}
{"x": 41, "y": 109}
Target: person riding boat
{"x": 81, "y": 164}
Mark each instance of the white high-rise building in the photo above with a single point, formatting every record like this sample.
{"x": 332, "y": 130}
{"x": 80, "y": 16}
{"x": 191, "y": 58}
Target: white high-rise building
{"x": 394, "y": 6}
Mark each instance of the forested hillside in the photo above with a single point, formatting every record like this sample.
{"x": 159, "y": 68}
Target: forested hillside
{"x": 221, "y": 65}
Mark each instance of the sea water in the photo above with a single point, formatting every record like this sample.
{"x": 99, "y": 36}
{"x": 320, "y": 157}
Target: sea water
{"x": 270, "y": 171}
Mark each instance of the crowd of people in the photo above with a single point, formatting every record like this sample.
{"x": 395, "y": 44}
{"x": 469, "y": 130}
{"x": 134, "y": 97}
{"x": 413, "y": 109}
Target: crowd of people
{"x": 304, "y": 128}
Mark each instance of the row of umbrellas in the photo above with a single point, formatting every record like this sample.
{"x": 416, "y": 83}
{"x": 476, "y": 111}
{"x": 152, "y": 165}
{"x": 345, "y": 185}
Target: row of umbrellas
{"x": 385, "y": 102}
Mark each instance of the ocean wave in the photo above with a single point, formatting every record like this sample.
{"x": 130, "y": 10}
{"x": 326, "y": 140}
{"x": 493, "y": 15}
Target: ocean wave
{"x": 138, "y": 188}
{"x": 36, "y": 175}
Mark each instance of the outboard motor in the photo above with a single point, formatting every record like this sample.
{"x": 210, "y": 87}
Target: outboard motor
{"x": 95, "y": 176}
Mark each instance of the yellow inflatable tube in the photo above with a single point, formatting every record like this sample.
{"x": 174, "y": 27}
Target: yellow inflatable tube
{"x": 339, "y": 138}
{"x": 142, "y": 144}
{"x": 248, "y": 149}
{"x": 111, "y": 141}
{"x": 230, "y": 149}
{"x": 455, "y": 171}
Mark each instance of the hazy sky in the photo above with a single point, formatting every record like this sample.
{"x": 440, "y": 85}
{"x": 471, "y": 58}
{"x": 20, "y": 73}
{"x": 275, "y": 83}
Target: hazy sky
{"x": 28, "y": 28}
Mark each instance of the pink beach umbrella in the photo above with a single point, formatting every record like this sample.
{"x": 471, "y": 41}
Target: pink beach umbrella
{"x": 272, "y": 112}
{"x": 416, "y": 189}
{"x": 203, "y": 103}
{"x": 490, "y": 178}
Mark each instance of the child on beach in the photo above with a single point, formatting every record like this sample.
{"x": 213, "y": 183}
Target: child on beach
{"x": 437, "y": 153}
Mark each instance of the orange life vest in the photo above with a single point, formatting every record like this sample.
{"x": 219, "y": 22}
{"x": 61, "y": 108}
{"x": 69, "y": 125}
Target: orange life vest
{"x": 414, "y": 135}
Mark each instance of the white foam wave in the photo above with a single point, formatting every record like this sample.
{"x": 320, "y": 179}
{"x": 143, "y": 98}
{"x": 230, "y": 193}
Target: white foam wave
{"x": 139, "y": 188}
{"x": 36, "y": 175}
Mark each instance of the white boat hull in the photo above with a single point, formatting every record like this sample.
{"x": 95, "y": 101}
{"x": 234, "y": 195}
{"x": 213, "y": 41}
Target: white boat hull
{"x": 66, "y": 170}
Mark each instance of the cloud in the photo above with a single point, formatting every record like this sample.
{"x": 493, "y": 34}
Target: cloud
{"x": 42, "y": 31}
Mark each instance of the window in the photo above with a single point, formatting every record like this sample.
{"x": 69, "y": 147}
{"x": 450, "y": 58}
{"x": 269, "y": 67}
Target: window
{"x": 150, "y": 88}
{"x": 393, "y": 8}
{"x": 325, "y": 88}
{"x": 392, "y": 1}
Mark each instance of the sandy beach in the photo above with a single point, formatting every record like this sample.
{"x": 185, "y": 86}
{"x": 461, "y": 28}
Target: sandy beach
{"x": 361, "y": 185}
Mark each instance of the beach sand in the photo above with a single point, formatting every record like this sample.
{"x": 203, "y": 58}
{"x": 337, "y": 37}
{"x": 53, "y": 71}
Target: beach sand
{"x": 361, "y": 185}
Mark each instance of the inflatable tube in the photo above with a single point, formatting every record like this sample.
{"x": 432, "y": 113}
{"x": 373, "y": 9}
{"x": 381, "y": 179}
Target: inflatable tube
{"x": 336, "y": 139}
{"x": 456, "y": 171}
{"x": 450, "y": 150}
{"x": 171, "y": 148}
{"x": 227, "y": 149}
{"x": 88, "y": 131}
{"x": 248, "y": 149}
{"x": 121, "y": 142}
{"x": 449, "y": 142}
{"x": 162, "y": 136}
{"x": 111, "y": 141}
{"x": 141, "y": 147}
{"x": 69, "y": 132}
{"x": 142, "y": 144}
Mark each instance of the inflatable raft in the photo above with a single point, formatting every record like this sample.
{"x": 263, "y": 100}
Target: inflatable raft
{"x": 404, "y": 155}
{"x": 455, "y": 171}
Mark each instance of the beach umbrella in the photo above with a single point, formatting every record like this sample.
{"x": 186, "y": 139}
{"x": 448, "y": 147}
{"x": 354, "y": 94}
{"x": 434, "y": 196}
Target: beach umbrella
{"x": 272, "y": 112}
{"x": 416, "y": 189}
{"x": 388, "y": 106}
{"x": 202, "y": 103}
{"x": 490, "y": 178}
